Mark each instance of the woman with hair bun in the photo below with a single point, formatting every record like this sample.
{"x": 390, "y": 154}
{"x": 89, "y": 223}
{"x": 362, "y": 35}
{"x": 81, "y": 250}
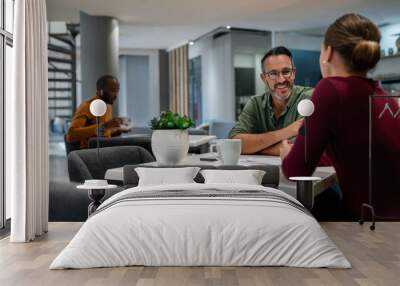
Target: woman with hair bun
{"x": 339, "y": 125}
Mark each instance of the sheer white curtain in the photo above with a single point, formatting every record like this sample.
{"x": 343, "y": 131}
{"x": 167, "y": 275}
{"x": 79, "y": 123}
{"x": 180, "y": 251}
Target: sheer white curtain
{"x": 27, "y": 124}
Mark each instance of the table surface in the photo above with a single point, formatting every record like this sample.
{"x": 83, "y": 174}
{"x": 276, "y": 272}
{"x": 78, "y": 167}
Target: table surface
{"x": 327, "y": 174}
{"x": 194, "y": 140}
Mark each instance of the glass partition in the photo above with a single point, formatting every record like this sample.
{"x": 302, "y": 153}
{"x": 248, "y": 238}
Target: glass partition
{"x": 384, "y": 157}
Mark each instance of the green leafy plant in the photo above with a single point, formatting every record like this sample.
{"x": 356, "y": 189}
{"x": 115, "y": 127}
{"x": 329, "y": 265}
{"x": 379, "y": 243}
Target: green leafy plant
{"x": 170, "y": 120}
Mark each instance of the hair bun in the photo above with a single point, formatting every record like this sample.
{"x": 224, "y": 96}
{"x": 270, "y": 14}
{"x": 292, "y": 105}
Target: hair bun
{"x": 365, "y": 55}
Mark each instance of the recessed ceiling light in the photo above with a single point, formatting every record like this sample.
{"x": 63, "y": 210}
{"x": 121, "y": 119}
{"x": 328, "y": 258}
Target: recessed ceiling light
{"x": 191, "y": 43}
{"x": 228, "y": 27}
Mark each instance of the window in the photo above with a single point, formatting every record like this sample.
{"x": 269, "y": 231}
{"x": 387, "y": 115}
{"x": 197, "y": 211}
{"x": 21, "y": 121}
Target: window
{"x": 9, "y": 15}
{"x": 6, "y": 44}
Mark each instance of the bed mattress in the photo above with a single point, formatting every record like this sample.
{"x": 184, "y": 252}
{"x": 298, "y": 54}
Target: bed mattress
{"x": 201, "y": 225}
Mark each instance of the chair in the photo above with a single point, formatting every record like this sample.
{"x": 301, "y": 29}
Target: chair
{"x": 69, "y": 147}
{"x": 141, "y": 141}
{"x": 84, "y": 164}
{"x": 221, "y": 129}
{"x": 197, "y": 131}
{"x": 68, "y": 204}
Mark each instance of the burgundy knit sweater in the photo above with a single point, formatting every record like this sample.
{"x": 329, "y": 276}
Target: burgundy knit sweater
{"x": 340, "y": 127}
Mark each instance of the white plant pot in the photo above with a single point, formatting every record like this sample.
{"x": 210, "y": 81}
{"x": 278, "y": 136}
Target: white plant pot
{"x": 170, "y": 146}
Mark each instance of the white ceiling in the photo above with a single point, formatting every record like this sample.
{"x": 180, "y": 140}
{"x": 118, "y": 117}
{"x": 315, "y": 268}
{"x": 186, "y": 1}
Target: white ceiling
{"x": 165, "y": 23}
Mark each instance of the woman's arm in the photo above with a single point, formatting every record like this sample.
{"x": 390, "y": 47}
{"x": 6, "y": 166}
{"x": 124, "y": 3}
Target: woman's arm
{"x": 320, "y": 125}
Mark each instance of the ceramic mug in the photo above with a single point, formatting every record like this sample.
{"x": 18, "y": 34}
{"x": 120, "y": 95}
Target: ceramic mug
{"x": 228, "y": 150}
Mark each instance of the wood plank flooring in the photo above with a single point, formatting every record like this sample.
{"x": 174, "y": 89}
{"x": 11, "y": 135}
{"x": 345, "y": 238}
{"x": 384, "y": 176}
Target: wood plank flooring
{"x": 375, "y": 257}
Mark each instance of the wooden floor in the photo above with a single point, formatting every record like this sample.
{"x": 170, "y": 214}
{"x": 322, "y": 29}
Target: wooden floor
{"x": 375, "y": 257}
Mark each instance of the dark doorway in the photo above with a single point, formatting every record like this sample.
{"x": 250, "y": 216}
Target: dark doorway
{"x": 195, "y": 89}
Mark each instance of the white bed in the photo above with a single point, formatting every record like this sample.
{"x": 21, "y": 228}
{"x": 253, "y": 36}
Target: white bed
{"x": 206, "y": 230}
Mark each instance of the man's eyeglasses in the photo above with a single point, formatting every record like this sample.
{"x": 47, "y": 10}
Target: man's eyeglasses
{"x": 274, "y": 74}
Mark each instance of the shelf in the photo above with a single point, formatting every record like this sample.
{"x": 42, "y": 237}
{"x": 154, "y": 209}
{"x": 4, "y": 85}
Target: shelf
{"x": 391, "y": 56}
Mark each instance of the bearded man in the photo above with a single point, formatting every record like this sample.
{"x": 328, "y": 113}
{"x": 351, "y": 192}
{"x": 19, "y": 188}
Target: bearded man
{"x": 268, "y": 119}
{"x": 83, "y": 125}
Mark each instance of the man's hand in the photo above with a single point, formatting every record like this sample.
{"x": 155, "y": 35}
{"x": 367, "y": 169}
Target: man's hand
{"x": 293, "y": 129}
{"x": 113, "y": 123}
{"x": 273, "y": 150}
{"x": 285, "y": 149}
{"x": 122, "y": 129}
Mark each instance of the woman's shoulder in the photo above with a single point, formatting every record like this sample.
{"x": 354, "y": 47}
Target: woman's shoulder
{"x": 326, "y": 86}
{"x": 347, "y": 86}
{"x": 333, "y": 82}
{"x": 339, "y": 83}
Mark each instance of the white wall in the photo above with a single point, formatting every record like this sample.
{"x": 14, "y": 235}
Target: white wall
{"x": 217, "y": 61}
{"x": 222, "y": 92}
{"x": 123, "y": 88}
{"x": 251, "y": 43}
{"x": 388, "y": 38}
{"x": 140, "y": 101}
{"x": 243, "y": 60}
{"x": 216, "y": 78}
{"x": 298, "y": 41}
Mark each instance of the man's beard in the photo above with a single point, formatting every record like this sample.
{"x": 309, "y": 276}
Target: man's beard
{"x": 282, "y": 97}
{"x": 109, "y": 99}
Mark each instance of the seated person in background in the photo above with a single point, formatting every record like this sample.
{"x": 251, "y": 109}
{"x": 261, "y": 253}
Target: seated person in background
{"x": 83, "y": 125}
{"x": 268, "y": 119}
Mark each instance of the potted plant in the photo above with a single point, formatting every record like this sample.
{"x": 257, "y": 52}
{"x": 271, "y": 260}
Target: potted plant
{"x": 170, "y": 138}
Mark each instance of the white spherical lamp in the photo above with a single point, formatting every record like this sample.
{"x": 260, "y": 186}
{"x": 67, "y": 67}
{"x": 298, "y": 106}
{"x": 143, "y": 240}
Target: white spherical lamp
{"x": 305, "y": 107}
{"x": 98, "y": 107}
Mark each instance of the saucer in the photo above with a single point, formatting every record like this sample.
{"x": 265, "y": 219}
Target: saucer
{"x": 305, "y": 178}
{"x": 125, "y": 127}
{"x": 96, "y": 183}
{"x": 91, "y": 187}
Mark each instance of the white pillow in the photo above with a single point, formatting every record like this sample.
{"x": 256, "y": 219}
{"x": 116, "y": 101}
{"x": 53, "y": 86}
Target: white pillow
{"x": 248, "y": 177}
{"x": 165, "y": 176}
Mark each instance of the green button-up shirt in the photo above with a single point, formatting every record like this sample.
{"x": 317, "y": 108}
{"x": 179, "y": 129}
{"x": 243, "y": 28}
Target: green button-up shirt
{"x": 258, "y": 115}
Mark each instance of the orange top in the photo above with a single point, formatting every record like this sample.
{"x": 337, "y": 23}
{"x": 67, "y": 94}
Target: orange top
{"x": 83, "y": 125}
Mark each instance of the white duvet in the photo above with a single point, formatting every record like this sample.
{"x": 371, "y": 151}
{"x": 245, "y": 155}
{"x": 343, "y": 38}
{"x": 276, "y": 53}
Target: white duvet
{"x": 200, "y": 231}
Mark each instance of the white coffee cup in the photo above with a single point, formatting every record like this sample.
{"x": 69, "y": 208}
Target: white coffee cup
{"x": 229, "y": 151}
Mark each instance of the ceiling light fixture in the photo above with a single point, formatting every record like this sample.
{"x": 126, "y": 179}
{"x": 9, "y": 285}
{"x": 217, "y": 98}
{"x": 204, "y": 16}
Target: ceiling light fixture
{"x": 191, "y": 43}
{"x": 228, "y": 27}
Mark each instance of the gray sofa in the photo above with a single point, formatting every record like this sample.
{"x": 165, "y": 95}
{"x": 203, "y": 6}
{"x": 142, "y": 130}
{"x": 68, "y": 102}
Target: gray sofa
{"x": 84, "y": 164}
{"x": 66, "y": 203}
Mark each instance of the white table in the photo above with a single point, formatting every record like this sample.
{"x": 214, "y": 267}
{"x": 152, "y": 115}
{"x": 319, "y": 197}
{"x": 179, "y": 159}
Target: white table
{"x": 194, "y": 140}
{"x": 327, "y": 174}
